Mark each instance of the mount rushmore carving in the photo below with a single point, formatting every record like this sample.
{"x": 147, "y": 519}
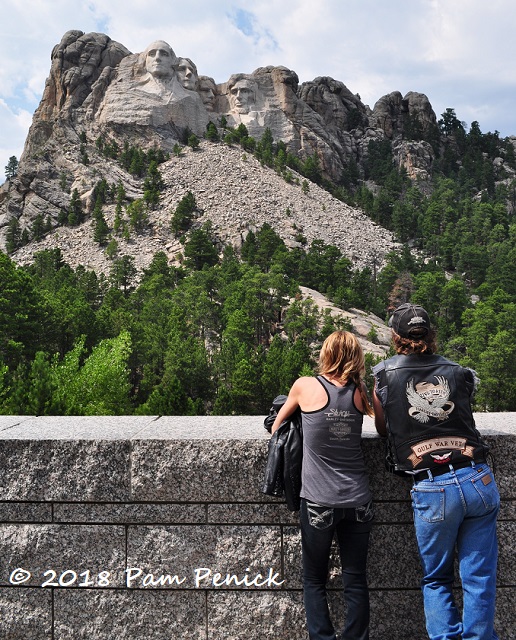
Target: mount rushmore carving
{"x": 97, "y": 82}
{"x": 97, "y": 90}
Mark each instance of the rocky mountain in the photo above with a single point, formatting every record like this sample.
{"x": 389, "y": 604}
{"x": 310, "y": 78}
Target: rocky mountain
{"x": 97, "y": 90}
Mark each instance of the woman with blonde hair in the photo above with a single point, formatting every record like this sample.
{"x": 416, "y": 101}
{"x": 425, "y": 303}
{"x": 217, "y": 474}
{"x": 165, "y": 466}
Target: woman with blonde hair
{"x": 335, "y": 494}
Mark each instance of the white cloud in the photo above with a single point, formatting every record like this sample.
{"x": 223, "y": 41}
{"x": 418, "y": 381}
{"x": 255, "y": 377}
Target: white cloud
{"x": 14, "y": 127}
{"x": 460, "y": 53}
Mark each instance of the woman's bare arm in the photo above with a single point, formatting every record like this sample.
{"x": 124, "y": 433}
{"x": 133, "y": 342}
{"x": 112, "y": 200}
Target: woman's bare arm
{"x": 291, "y": 404}
{"x": 379, "y": 416}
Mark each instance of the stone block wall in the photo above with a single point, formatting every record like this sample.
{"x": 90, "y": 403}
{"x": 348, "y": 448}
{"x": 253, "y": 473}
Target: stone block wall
{"x": 133, "y": 528}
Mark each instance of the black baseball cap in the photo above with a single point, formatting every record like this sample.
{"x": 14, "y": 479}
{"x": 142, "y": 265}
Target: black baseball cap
{"x": 409, "y": 321}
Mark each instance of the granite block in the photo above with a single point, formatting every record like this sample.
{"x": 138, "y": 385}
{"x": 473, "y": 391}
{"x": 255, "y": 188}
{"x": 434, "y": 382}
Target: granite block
{"x": 505, "y": 620}
{"x": 258, "y": 615}
{"x": 251, "y": 514}
{"x": 68, "y": 470}
{"x": 393, "y": 560}
{"x": 25, "y": 512}
{"x": 130, "y": 513}
{"x": 8, "y": 422}
{"x": 46, "y": 551}
{"x": 507, "y": 510}
{"x": 213, "y": 428}
{"x": 506, "y": 556}
{"x": 25, "y": 614}
{"x": 292, "y": 565}
{"x": 393, "y": 513}
{"x": 384, "y": 485}
{"x": 129, "y": 615}
{"x": 397, "y": 615}
{"x": 198, "y": 471}
{"x": 176, "y": 494}
{"x": 496, "y": 423}
{"x": 195, "y": 554}
{"x": 503, "y": 452}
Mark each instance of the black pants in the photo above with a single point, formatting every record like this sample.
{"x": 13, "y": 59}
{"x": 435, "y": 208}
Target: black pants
{"x": 319, "y": 524}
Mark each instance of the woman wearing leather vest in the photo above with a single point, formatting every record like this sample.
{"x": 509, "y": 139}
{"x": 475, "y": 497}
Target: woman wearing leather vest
{"x": 335, "y": 494}
{"x": 422, "y": 404}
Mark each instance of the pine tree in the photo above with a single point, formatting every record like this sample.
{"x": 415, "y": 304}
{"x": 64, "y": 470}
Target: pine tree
{"x": 101, "y": 231}
{"x": 13, "y": 236}
{"x": 137, "y": 214}
{"x": 199, "y": 249}
{"x": 153, "y": 185}
{"x": 38, "y": 227}
{"x": 11, "y": 168}
{"x": 184, "y": 214}
{"x": 193, "y": 141}
{"x": 40, "y": 386}
{"x": 75, "y": 210}
{"x": 122, "y": 274}
{"x": 212, "y": 133}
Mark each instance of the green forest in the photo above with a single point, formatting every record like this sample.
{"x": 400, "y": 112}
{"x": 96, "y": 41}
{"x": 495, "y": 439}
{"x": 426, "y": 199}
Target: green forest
{"x": 224, "y": 333}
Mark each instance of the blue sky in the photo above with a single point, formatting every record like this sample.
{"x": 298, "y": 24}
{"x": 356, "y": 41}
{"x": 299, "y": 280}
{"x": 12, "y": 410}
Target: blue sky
{"x": 460, "y": 53}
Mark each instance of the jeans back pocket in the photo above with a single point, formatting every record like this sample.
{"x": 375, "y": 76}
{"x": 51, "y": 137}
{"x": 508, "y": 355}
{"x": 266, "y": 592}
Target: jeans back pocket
{"x": 365, "y": 513}
{"x": 485, "y": 486}
{"x": 428, "y": 504}
{"x": 319, "y": 517}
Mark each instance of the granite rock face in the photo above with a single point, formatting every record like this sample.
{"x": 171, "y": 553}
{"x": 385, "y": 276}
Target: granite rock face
{"x": 136, "y": 97}
{"x": 98, "y": 88}
{"x": 78, "y": 62}
{"x": 392, "y": 112}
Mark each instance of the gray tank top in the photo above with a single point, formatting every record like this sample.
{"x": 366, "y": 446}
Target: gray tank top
{"x": 333, "y": 472}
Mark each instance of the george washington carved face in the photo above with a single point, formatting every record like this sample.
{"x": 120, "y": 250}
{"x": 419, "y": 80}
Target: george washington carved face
{"x": 160, "y": 60}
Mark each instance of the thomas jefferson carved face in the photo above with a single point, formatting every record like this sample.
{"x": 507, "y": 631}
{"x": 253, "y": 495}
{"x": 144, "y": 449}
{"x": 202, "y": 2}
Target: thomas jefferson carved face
{"x": 160, "y": 60}
{"x": 242, "y": 96}
{"x": 187, "y": 73}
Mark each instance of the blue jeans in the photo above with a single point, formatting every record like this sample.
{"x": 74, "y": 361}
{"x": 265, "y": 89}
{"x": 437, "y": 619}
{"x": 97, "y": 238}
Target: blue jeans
{"x": 458, "y": 510}
{"x": 319, "y": 524}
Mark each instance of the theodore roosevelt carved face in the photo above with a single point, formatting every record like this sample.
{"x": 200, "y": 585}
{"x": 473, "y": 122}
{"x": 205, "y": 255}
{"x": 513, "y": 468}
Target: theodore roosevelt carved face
{"x": 207, "y": 90}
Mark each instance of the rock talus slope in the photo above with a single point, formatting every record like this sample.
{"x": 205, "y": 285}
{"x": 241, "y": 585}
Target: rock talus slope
{"x": 235, "y": 193}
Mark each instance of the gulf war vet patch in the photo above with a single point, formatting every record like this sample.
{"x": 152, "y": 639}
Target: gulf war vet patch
{"x": 434, "y": 445}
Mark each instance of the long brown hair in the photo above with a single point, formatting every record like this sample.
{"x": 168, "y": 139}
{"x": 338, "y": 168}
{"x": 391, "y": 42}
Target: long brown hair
{"x": 425, "y": 344}
{"x": 342, "y": 358}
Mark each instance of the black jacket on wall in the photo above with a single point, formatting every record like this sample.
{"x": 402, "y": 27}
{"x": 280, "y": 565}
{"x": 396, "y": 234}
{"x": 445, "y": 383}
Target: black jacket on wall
{"x": 285, "y": 456}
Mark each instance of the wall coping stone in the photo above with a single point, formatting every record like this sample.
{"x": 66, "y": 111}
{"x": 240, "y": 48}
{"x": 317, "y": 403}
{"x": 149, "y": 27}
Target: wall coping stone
{"x": 181, "y": 427}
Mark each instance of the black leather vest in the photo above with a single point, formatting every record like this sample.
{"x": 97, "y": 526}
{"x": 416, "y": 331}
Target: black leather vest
{"x": 428, "y": 413}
